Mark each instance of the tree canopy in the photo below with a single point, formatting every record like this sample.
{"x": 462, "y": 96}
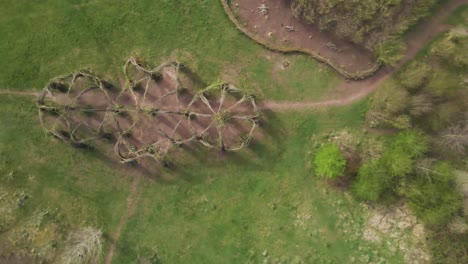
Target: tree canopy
{"x": 329, "y": 161}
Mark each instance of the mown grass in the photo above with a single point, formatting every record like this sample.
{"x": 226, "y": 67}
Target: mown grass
{"x": 49, "y": 38}
{"x": 265, "y": 203}
{"x": 294, "y": 77}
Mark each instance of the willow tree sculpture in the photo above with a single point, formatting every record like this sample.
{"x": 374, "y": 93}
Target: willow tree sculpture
{"x": 76, "y": 108}
{"x": 153, "y": 112}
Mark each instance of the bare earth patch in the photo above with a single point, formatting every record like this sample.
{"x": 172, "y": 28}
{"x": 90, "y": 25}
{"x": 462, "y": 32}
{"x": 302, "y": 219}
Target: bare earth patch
{"x": 153, "y": 112}
{"x": 399, "y": 230}
{"x": 353, "y": 91}
{"x": 272, "y": 22}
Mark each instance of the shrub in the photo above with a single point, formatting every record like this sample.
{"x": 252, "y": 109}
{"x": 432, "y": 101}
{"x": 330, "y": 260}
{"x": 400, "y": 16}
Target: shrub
{"x": 415, "y": 75}
{"x": 447, "y": 247}
{"x": 389, "y": 107}
{"x": 367, "y": 22}
{"x": 421, "y": 104}
{"x": 390, "y": 51}
{"x": 85, "y": 247}
{"x": 329, "y": 161}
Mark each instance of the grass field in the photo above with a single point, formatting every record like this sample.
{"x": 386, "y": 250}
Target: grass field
{"x": 267, "y": 205}
{"x": 264, "y": 203}
{"x": 58, "y": 37}
{"x": 81, "y": 186}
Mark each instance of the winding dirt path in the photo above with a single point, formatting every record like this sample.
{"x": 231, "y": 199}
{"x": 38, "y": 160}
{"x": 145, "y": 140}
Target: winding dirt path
{"x": 353, "y": 91}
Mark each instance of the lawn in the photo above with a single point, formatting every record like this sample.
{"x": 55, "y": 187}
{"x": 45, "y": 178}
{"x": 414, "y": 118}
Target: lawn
{"x": 262, "y": 204}
{"x": 48, "y": 38}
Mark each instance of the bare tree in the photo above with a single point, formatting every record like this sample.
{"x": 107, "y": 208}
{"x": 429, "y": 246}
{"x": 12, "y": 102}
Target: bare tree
{"x": 420, "y": 104}
{"x": 455, "y": 138}
{"x": 85, "y": 247}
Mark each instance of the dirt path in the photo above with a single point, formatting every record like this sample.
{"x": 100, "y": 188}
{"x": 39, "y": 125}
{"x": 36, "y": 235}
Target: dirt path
{"x": 10, "y": 92}
{"x": 130, "y": 209}
{"x": 353, "y": 91}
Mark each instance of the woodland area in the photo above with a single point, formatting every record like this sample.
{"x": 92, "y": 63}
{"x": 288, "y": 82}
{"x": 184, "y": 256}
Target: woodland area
{"x": 378, "y": 25}
{"x": 422, "y": 115}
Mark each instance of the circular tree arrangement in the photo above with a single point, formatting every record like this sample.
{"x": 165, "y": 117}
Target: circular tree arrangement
{"x": 154, "y": 111}
{"x": 76, "y": 108}
{"x": 227, "y": 119}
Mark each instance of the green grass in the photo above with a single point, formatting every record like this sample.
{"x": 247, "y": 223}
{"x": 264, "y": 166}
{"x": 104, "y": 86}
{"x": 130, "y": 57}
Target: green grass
{"x": 303, "y": 78}
{"x": 232, "y": 209}
{"x": 459, "y": 17}
{"x": 84, "y": 188}
{"x": 210, "y": 208}
{"x": 58, "y": 37}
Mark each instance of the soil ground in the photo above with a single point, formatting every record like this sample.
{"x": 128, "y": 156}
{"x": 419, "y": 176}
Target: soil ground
{"x": 148, "y": 129}
{"x": 272, "y": 28}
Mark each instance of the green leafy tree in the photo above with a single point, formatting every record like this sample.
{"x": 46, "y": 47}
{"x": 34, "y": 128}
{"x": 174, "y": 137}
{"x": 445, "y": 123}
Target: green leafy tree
{"x": 390, "y": 51}
{"x": 402, "y": 152}
{"x": 413, "y": 142}
{"x": 434, "y": 199}
{"x": 377, "y": 178}
{"x": 397, "y": 162}
{"x": 372, "y": 181}
{"x": 329, "y": 161}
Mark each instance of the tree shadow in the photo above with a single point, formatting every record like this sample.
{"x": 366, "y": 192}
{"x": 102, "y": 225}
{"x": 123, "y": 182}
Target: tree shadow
{"x": 193, "y": 77}
{"x": 266, "y": 146}
{"x": 186, "y": 161}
